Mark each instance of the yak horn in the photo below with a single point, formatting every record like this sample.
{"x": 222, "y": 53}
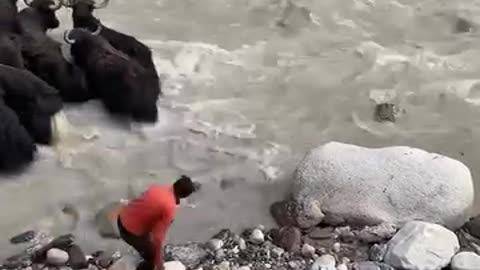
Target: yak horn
{"x": 102, "y": 4}
{"x": 57, "y": 4}
{"x": 98, "y": 30}
{"x": 66, "y": 37}
{"x": 28, "y": 2}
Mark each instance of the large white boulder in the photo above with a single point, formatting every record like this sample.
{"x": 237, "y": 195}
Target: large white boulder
{"x": 338, "y": 183}
{"x": 421, "y": 246}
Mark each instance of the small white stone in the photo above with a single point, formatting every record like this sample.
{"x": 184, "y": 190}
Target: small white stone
{"x": 242, "y": 244}
{"x": 215, "y": 244}
{"x": 345, "y": 260}
{"x": 225, "y": 265}
{"x": 308, "y": 250}
{"x": 244, "y": 268}
{"x": 257, "y": 236}
{"x": 466, "y": 261}
{"x": 277, "y": 252}
{"x": 235, "y": 250}
{"x": 174, "y": 265}
{"x": 342, "y": 266}
{"x": 336, "y": 247}
{"x": 325, "y": 262}
{"x": 57, "y": 257}
{"x": 268, "y": 266}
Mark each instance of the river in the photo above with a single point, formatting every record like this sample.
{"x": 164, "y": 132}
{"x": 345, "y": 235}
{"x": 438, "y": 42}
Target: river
{"x": 250, "y": 85}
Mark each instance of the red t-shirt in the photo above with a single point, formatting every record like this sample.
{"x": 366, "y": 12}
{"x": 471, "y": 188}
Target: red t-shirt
{"x": 151, "y": 215}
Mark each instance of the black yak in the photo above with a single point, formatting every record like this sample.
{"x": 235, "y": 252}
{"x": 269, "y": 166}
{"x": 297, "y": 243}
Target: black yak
{"x": 82, "y": 16}
{"x": 34, "y": 101}
{"x": 9, "y": 31}
{"x": 16, "y": 145}
{"x": 43, "y": 55}
{"x": 120, "y": 82}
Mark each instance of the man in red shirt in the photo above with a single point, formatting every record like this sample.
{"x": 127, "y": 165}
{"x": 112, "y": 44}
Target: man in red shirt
{"x": 143, "y": 223}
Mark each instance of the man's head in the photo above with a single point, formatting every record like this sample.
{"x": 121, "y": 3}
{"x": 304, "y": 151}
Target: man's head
{"x": 183, "y": 187}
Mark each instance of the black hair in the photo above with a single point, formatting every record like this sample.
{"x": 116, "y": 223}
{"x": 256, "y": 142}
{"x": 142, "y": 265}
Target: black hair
{"x": 183, "y": 187}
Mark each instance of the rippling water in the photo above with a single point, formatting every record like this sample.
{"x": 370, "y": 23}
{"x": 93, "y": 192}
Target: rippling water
{"x": 250, "y": 86}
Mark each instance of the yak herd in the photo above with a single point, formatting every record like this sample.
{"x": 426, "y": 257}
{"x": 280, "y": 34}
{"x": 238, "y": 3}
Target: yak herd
{"x": 36, "y": 80}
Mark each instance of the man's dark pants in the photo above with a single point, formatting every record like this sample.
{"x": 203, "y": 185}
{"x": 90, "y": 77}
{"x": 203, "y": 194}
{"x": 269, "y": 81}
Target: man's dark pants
{"x": 141, "y": 244}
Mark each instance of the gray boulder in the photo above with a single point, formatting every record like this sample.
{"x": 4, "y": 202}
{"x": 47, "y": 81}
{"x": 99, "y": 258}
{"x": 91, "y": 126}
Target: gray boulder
{"x": 421, "y": 246}
{"x": 343, "y": 183}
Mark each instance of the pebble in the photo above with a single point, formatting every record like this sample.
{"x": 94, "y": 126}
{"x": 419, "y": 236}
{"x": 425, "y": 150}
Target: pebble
{"x": 105, "y": 259}
{"x": 378, "y": 233}
{"x": 174, "y": 265}
{"x": 377, "y": 252}
{"x": 268, "y": 266}
{"x": 345, "y": 233}
{"x": 257, "y": 236}
{"x": 215, "y": 244}
{"x": 242, "y": 244}
{"x": 244, "y": 268}
{"x": 466, "y": 261}
{"x": 336, "y": 247}
{"x": 308, "y": 250}
{"x": 294, "y": 264}
{"x": 220, "y": 255}
{"x": 372, "y": 266}
{"x": 277, "y": 252}
{"x": 325, "y": 262}
{"x": 342, "y": 266}
{"x": 225, "y": 265}
{"x": 322, "y": 233}
{"x": 57, "y": 257}
{"x": 288, "y": 238}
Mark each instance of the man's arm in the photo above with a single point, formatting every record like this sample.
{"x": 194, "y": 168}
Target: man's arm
{"x": 158, "y": 236}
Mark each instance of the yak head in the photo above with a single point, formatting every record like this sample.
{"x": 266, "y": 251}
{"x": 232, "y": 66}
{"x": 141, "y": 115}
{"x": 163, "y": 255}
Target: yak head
{"x": 83, "y": 13}
{"x": 46, "y": 10}
{"x": 84, "y": 43}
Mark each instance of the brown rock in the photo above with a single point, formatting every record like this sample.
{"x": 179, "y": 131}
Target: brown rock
{"x": 77, "y": 259}
{"x": 282, "y": 213}
{"x": 289, "y": 238}
{"x": 322, "y": 233}
{"x": 319, "y": 244}
{"x": 356, "y": 252}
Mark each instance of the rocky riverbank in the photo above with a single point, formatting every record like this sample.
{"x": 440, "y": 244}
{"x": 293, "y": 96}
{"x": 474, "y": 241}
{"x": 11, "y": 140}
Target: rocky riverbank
{"x": 351, "y": 208}
{"x": 416, "y": 245}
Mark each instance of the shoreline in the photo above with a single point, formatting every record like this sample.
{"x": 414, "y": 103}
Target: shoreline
{"x": 258, "y": 248}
